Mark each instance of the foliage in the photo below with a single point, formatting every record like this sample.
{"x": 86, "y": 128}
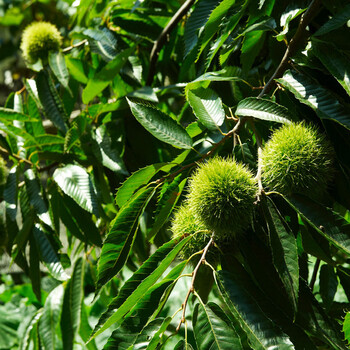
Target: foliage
{"x": 106, "y": 141}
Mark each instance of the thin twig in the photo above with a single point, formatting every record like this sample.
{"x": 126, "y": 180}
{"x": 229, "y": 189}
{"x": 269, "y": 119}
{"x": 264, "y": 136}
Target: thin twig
{"x": 66, "y": 49}
{"x": 16, "y": 156}
{"x": 314, "y": 274}
{"x": 294, "y": 43}
{"x": 159, "y": 43}
{"x": 191, "y": 289}
{"x": 238, "y": 125}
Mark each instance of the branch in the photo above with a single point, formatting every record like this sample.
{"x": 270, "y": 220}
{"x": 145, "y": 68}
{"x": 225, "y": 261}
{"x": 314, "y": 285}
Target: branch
{"x": 238, "y": 125}
{"x": 300, "y": 34}
{"x": 74, "y": 45}
{"x": 159, "y": 43}
{"x": 16, "y": 156}
{"x": 191, "y": 289}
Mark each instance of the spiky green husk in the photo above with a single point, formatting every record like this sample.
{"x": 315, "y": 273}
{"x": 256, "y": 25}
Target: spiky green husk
{"x": 222, "y": 194}
{"x": 38, "y": 39}
{"x": 186, "y": 223}
{"x": 297, "y": 159}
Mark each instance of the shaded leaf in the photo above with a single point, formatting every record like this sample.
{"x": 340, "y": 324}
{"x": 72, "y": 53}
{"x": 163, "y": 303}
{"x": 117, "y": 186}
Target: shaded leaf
{"x": 315, "y": 96}
{"x": 261, "y": 332}
{"x": 212, "y": 328}
{"x": 59, "y": 68}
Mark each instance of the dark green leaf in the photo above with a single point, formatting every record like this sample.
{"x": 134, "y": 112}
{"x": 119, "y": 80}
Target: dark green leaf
{"x": 120, "y": 238}
{"x": 160, "y": 125}
{"x": 328, "y": 285}
{"x": 7, "y": 114}
{"x": 261, "y": 332}
{"x": 315, "y": 96}
{"x": 135, "y": 288}
{"x": 59, "y": 68}
{"x": 212, "y": 329}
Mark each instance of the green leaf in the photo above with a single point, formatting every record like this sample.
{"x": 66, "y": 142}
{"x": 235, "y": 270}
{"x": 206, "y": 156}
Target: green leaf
{"x": 142, "y": 280}
{"x": 284, "y": 251}
{"x": 312, "y": 94}
{"x": 135, "y": 181}
{"x": 76, "y": 69}
{"x": 157, "y": 336}
{"x": 335, "y": 22}
{"x": 346, "y": 327}
{"x": 262, "y": 333}
{"x": 207, "y": 107}
{"x": 10, "y": 194}
{"x": 166, "y": 204}
{"x": 59, "y": 68}
{"x": 50, "y": 101}
{"x": 120, "y": 238}
{"x": 48, "y": 255}
{"x": 214, "y": 21}
{"x": 36, "y": 199}
{"x": 10, "y": 115}
{"x": 50, "y": 317}
{"x": 263, "y": 109}
{"x": 212, "y": 329}
{"x": 160, "y": 125}
{"x": 71, "y": 310}
{"x": 328, "y": 285}
{"x": 335, "y": 61}
{"x": 103, "y": 42}
{"x": 75, "y": 182}
{"x": 103, "y": 78}
{"x": 32, "y": 328}
{"x": 111, "y": 158}
{"x": 326, "y": 222}
{"x": 85, "y": 329}
{"x": 34, "y": 268}
{"x": 196, "y": 22}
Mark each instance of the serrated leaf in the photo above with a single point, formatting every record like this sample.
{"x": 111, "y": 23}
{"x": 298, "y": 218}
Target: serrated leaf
{"x": 32, "y": 327}
{"x": 135, "y": 181}
{"x": 101, "y": 79}
{"x": 284, "y": 252}
{"x": 50, "y": 101}
{"x": 196, "y": 22}
{"x": 335, "y": 22}
{"x": 328, "y": 285}
{"x": 346, "y": 327}
{"x": 48, "y": 255}
{"x": 50, "y": 317}
{"x": 76, "y": 69}
{"x": 110, "y": 156}
{"x": 103, "y": 42}
{"x": 262, "y": 333}
{"x": 36, "y": 199}
{"x": 143, "y": 279}
{"x": 75, "y": 182}
{"x": 121, "y": 235}
{"x": 212, "y": 329}
{"x": 214, "y": 22}
{"x": 10, "y": 194}
{"x": 59, "y": 68}
{"x": 160, "y": 125}
{"x": 335, "y": 61}
{"x": 263, "y": 109}
{"x": 72, "y": 301}
{"x": 312, "y": 94}
{"x": 326, "y": 222}
{"x": 166, "y": 204}
{"x": 207, "y": 107}
{"x": 34, "y": 268}
{"x": 7, "y": 114}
